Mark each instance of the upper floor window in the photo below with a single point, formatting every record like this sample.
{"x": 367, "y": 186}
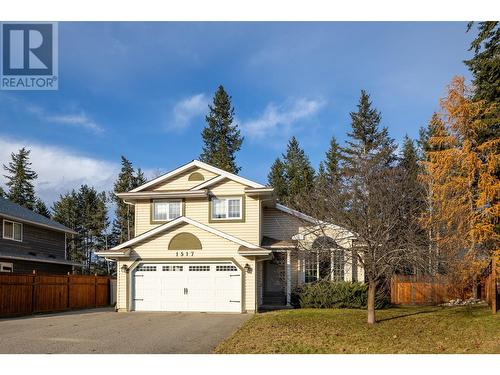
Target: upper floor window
{"x": 12, "y": 230}
{"x": 227, "y": 208}
{"x": 165, "y": 210}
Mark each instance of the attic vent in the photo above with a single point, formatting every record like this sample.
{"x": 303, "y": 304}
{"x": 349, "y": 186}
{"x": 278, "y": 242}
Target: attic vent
{"x": 196, "y": 176}
{"x": 184, "y": 241}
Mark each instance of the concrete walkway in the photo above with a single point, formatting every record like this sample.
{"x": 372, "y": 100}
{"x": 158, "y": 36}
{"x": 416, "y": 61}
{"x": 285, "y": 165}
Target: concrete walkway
{"x": 106, "y": 331}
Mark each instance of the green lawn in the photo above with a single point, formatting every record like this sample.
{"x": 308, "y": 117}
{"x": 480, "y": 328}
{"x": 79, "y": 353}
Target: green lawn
{"x": 399, "y": 330}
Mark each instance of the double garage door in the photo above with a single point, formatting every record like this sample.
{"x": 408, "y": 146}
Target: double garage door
{"x": 210, "y": 287}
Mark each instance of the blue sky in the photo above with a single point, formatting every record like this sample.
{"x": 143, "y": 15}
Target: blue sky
{"x": 142, "y": 89}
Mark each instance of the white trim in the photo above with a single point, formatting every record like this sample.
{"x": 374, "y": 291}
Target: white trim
{"x": 115, "y": 254}
{"x": 202, "y": 165}
{"x": 298, "y": 214}
{"x": 13, "y": 230}
{"x": 178, "y": 221}
{"x": 209, "y": 182}
{"x": 164, "y": 194}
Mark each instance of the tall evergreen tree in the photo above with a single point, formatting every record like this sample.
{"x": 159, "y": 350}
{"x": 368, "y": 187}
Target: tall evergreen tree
{"x": 65, "y": 211}
{"x": 41, "y": 208}
{"x": 221, "y": 138}
{"x": 276, "y": 178}
{"x": 124, "y": 212}
{"x": 332, "y": 164}
{"x": 368, "y": 145}
{"x": 2, "y": 192}
{"x": 485, "y": 64}
{"x": 20, "y": 179}
{"x": 299, "y": 173}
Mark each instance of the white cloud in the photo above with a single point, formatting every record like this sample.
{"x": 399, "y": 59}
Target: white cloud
{"x": 75, "y": 117}
{"x": 60, "y": 170}
{"x": 187, "y": 109}
{"x": 280, "y": 118}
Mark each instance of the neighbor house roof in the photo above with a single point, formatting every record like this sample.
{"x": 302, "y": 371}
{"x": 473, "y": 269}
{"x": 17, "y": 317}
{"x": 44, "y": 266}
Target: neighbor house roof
{"x": 13, "y": 211}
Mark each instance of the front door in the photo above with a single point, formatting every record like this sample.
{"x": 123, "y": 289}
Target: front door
{"x": 274, "y": 280}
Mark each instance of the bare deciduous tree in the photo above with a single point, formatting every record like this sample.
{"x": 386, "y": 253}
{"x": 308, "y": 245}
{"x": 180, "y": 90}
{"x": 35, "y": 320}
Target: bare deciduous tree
{"x": 369, "y": 221}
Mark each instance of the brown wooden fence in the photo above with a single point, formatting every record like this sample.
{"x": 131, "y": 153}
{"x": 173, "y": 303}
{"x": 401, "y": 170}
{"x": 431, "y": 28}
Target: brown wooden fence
{"x": 413, "y": 290}
{"x": 489, "y": 283}
{"x": 28, "y": 294}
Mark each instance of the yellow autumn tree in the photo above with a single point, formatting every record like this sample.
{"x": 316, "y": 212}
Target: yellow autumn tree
{"x": 460, "y": 172}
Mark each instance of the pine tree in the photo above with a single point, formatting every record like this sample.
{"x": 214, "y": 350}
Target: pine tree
{"x": 276, "y": 178}
{"x": 368, "y": 146}
{"x": 221, "y": 138}
{"x": 332, "y": 164}
{"x": 124, "y": 212}
{"x": 20, "y": 179}
{"x": 65, "y": 211}
{"x": 2, "y": 192}
{"x": 41, "y": 208}
{"x": 485, "y": 65}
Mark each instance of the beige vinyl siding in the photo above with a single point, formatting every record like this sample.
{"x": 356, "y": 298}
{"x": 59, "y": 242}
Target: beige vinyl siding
{"x": 143, "y": 217}
{"x": 198, "y": 209}
{"x": 248, "y": 230}
{"x": 181, "y": 182}
{"x": 213, "y": 247}
{"x": 121, "y": 285}
{"x": 280, "y": 225}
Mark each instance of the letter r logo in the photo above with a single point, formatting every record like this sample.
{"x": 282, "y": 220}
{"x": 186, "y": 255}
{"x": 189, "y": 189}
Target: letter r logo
{"x": 27, "y": 49}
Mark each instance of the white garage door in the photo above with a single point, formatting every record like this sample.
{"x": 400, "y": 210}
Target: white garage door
{"x": 213, "y": 287}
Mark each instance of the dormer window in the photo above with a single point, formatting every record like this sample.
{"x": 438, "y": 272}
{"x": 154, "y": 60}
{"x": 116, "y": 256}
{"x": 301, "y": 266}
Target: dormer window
{"x": 166, "y": 210}
{"x": 227, "y": 208}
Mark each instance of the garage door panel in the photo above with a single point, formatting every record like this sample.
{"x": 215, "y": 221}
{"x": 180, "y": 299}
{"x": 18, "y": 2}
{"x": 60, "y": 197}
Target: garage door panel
{"x": 188, "y": 287}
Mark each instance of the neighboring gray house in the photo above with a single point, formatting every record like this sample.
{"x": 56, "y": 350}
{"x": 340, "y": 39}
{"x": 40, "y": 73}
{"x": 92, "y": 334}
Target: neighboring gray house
{"x": 31, "y": 242}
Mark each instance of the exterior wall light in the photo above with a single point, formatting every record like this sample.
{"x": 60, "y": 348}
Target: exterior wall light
{"x": 248, "y": 269}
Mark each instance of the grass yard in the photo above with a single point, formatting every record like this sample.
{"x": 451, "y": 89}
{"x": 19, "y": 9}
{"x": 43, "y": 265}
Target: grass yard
{"x": 399, "y": 330}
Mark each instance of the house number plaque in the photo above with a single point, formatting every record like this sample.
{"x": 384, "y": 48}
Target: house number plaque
{"x": 184, "y": 253}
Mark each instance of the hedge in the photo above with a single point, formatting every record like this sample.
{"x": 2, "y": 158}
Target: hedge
{"x": 341, "y": 295}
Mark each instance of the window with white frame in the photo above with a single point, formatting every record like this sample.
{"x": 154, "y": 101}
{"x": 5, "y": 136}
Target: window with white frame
{"x": 311, "y": 267}
{"x": 166, "y": 210}
{"x": 6, "y": 267}
{"x": 228, "y": 208}
{"x": 12, "y": 230}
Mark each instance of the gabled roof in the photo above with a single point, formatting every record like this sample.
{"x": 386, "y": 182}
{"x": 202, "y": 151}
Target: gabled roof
{"x": 13, "y": 211}
{"x": 180, "y": 220}
{"x": 202, "y": 165}
{"x": 297, "y": 214}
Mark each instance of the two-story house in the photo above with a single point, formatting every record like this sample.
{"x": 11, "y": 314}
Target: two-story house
{"x": 31, "y": 242}
{"x": 209, "y": 240}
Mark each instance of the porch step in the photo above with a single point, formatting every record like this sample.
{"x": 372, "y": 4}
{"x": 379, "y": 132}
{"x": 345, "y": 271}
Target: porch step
{"x": 274, "y": 298}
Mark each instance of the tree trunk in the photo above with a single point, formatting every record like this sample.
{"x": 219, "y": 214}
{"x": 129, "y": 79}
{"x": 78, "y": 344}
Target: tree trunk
{"x": 372, "y": 286}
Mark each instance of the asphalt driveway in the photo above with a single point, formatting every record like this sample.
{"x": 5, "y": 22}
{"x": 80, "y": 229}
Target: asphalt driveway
{"x": 106, "y": 331}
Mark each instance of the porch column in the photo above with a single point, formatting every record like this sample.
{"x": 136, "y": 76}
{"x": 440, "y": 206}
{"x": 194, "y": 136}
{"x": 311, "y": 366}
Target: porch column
{"x": 288, "y": 278}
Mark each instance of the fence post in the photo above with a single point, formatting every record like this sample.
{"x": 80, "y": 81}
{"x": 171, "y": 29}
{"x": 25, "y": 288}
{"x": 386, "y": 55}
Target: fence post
{"x": 493, "y": 286}
{"x": 68, "y": 288}
{"x": 33, "y": 292}
{"x": 95, "y": 290}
